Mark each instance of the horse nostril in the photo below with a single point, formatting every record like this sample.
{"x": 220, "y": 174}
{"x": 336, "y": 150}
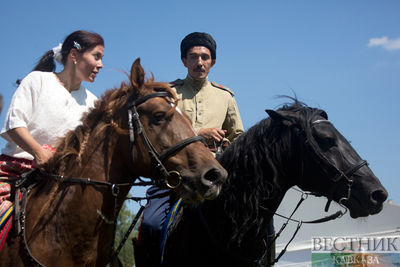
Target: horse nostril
{"x": 379, "y": 196}
{"x": 212, "y": 176}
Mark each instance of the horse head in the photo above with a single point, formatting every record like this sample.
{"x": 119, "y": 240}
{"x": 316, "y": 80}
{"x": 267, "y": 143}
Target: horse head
{"x": 166, "y": 138}
{"x": 297, "y": 145}
{"x": 340, "y": 174}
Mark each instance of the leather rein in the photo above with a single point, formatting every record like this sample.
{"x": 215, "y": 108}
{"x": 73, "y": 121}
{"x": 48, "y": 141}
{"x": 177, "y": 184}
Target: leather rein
{"x": 172, "y": 179}
{"x": 340, "y": 175}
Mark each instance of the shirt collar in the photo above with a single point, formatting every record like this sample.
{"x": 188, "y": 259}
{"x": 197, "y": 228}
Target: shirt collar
{"x": 196, "y": 84}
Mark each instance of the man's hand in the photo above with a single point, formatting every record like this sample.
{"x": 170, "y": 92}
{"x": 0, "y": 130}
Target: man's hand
{"x": 212, "y": 135}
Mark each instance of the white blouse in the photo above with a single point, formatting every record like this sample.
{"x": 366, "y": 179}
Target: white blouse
{"x": 46, "y": 108}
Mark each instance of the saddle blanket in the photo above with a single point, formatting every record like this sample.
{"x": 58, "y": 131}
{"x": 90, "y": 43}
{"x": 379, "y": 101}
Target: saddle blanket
{"x": 168, "y": 226}
{"x": 10, "y": 170}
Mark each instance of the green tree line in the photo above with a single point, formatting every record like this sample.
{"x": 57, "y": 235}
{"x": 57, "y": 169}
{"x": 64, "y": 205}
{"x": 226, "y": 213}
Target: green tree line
{"x": 125, "y": 219}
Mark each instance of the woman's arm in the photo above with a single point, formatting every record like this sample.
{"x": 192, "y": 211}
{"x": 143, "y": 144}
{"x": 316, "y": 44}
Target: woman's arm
{"x": 22, "y": 137}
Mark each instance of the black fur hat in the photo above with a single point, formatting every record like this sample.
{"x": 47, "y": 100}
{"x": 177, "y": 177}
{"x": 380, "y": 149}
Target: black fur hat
{"x": 198, "y": 39}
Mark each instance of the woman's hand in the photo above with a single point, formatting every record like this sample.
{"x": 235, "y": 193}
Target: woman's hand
{"x": 22, "y": 137}
{"x": 42, "y": 156}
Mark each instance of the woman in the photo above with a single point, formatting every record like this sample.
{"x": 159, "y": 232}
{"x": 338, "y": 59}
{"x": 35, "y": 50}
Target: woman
{"x": 46, "y": 105}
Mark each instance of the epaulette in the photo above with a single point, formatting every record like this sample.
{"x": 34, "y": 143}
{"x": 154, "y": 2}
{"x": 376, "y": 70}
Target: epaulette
{"x": 222, "y": 87}
{"x": 176, "y": 82}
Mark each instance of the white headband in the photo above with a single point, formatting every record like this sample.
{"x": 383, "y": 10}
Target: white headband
{"x": 57, "y": 53}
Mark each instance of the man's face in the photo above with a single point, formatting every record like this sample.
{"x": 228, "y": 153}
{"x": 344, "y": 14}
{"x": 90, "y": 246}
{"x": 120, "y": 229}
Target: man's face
{"x": 198, "y": 62}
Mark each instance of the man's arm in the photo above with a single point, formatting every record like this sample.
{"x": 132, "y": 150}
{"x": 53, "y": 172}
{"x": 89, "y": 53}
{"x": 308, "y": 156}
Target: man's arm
{"x": 233, "y": 122}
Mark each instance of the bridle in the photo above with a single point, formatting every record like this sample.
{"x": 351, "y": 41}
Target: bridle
{"x": 340, "y": 175}
{"x": 347, "y": 175}
{"x": 172, "y": 179}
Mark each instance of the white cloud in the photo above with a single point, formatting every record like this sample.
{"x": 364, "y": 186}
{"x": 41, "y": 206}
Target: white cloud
{"x": 388, "y": 44}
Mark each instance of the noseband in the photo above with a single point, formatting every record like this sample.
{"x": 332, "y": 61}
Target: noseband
{"x": 341, "y": 175}
{"x": 346, "y": 175}
{"x": 172, "y": 179}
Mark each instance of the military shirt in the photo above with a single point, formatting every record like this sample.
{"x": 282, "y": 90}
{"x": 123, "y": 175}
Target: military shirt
{"x": 209, "y": 105}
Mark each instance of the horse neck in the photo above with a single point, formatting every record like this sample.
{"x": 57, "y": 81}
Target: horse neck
{"x": 256, "y": 177}
{"x": 104, "y": 158}
{"x": 92, "y": 206}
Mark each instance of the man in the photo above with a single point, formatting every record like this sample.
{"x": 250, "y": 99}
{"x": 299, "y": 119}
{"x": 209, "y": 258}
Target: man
{"x": 214, "y": 115}
{"x": 211, "y": 107}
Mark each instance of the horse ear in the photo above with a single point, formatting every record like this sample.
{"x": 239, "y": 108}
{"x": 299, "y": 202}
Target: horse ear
{"x": 274, "y": 115}
{"x": 277, "y": 116}
{"x": 137, "y": 74}
{"x": 324, "y": 114}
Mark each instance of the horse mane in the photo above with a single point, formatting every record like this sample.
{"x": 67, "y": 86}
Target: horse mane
{"x": 251, "y": 161}
{"x": 101, "y": 118}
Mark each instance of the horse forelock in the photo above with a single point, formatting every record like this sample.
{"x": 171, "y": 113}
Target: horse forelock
{"x": 163, "y": 87}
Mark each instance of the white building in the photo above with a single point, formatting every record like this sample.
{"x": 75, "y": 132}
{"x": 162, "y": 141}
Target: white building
{"x": 386, "y": 223}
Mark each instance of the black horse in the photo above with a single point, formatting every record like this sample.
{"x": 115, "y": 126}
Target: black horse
{"x": 297, "y": 145}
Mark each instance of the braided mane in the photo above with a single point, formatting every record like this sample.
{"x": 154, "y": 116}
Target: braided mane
{"x": 98, "y": 123}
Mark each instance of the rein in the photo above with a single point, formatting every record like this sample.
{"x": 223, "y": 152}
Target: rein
{"x": 304, "y": 196}
{"x": 341, "y": 175}
{"x": 259, "y": 260}
{"x": 171, "y": 179}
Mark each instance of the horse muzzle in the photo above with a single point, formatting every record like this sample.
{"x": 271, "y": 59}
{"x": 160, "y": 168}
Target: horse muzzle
{"x": 207, "y": 187}
{"x": 359, "y": 207}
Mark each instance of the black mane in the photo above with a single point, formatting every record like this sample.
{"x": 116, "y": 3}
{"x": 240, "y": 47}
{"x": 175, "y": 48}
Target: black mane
{"x": 296, "y": 145}
{"x": 251, "y": 162}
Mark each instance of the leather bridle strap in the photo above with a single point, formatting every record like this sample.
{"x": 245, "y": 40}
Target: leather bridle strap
{"x": 347, "y": 176}
{"x": 143, "y": 99}
{"x": 172, "y": 150}
{"x": 134, "y": 120}
{"x": 170, "y": 178}
{"x": 304, "y": 196}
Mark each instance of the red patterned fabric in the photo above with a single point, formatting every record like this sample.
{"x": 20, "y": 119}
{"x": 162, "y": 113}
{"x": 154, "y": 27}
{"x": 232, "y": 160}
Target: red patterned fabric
{"x": 4, "y": 232}
{"x": 10, "y": 169}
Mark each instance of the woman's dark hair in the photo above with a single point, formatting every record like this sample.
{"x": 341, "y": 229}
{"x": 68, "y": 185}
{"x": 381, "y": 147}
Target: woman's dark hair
{"x": 79, "y": 40}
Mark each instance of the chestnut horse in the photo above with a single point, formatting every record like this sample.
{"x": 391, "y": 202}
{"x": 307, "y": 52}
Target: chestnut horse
{"x": 72, "y": 208}
{"x": 297, "y": 145}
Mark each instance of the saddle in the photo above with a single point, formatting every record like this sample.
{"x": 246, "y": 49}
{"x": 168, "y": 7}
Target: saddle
{"x": 13, "y": 214}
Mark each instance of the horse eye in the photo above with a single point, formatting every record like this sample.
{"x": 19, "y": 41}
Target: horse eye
{"x": 325, "y": 138}
{"x": 325, "y": 142}
{"x": 158, "y": 116}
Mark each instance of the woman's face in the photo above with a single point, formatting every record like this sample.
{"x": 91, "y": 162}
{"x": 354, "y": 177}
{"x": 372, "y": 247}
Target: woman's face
{"x": 89, "y": 63}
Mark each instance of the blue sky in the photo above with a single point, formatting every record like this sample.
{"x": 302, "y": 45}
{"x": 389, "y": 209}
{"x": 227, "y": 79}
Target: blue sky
{"x": 342, "y": 56}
